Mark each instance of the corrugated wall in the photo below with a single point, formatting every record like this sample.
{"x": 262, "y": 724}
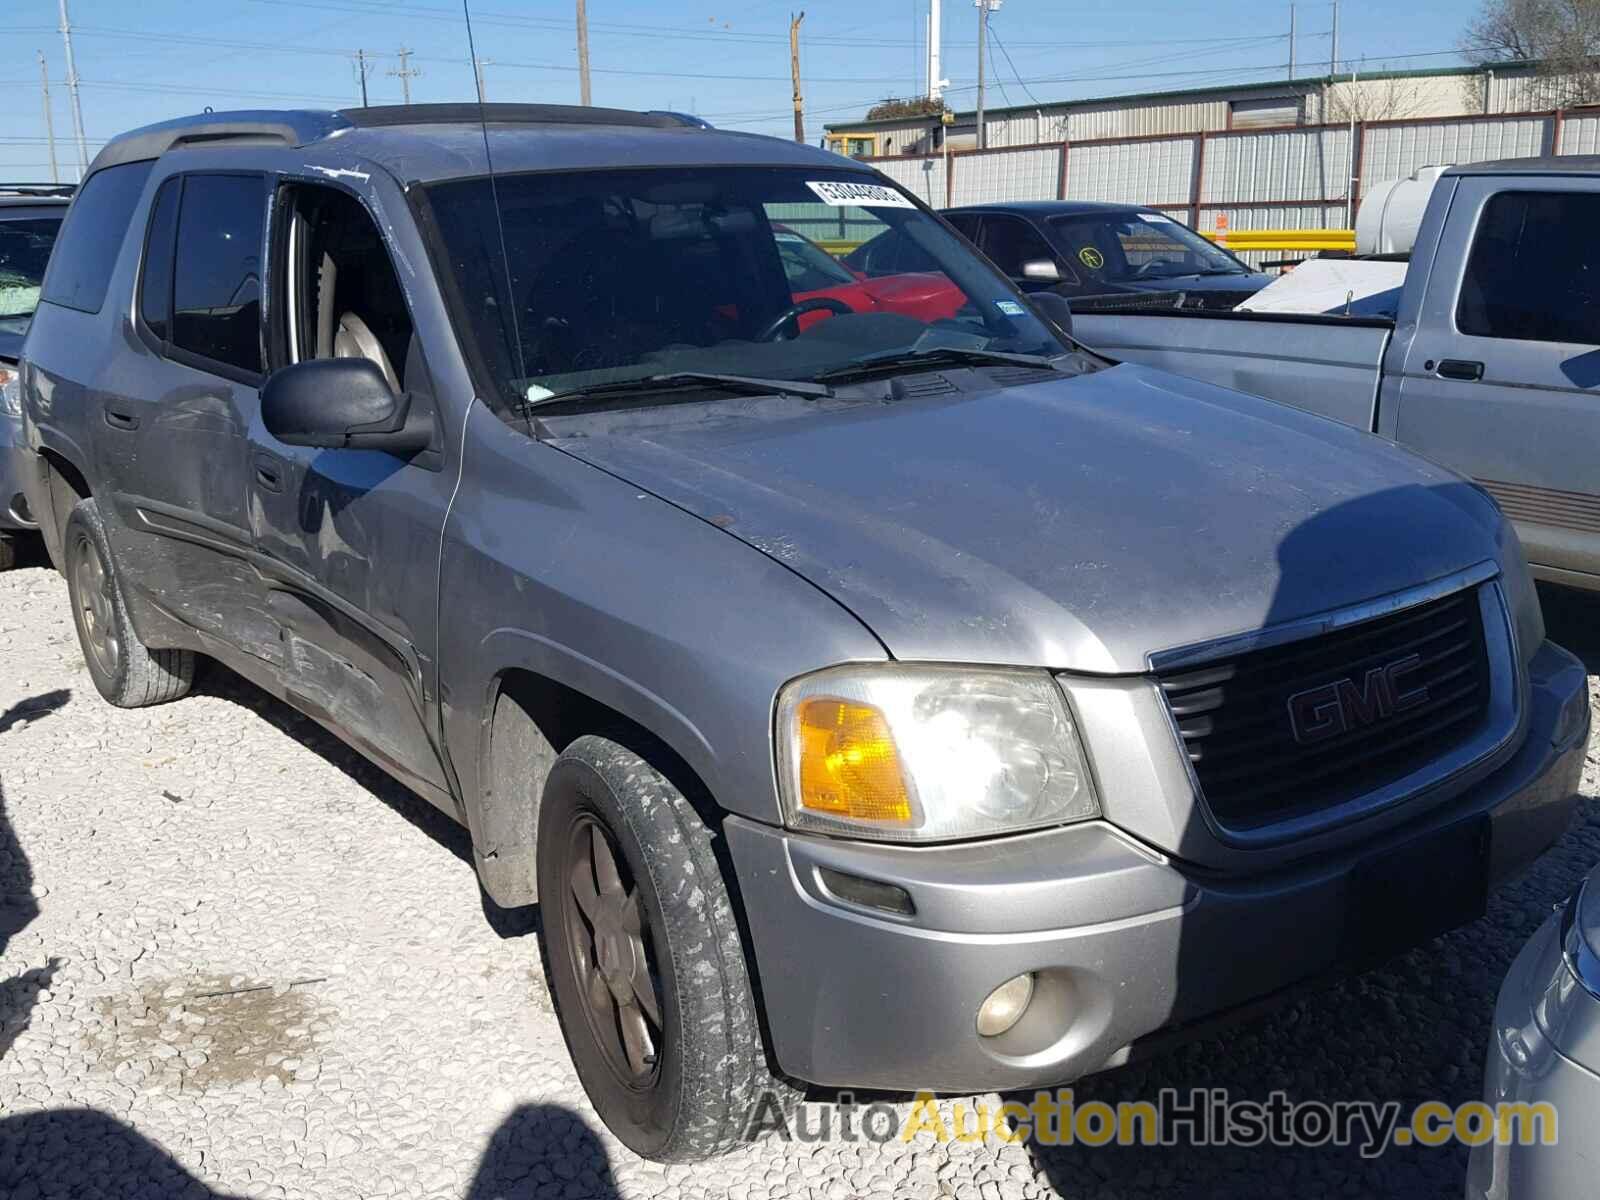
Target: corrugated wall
{"x": 1157, "y": 171}
{"x": 1016, "y": 174}
{"x": 1285, "y": 164}
{"x": 924, "y": 177}
{"x": 1396, "y": 151}
{"x": 1150, "y": 119}
{"x": 1581, "y": 135}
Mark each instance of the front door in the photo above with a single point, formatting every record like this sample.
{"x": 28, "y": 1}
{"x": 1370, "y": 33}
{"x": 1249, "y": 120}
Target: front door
{"x": 348, "y": 540}
{"x": 1501, "y": 380}
{"x": 1013, "y": 244}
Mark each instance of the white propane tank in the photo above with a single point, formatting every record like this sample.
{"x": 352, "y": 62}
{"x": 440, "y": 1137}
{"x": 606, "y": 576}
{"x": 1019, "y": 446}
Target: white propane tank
{"x": 1388, "y": 218}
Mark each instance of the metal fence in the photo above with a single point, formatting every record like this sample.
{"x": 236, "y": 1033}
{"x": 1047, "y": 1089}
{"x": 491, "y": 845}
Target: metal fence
{"x": 1293, "y": 177}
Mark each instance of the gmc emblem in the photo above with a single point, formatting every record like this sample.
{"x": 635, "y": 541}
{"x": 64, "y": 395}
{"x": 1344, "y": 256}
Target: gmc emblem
{"x": 1319, "y": 713}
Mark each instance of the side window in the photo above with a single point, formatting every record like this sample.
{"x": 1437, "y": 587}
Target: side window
{"x": 86, "y": 253}
{"x": 344, "y": 297}
{"x": 216, "y": 285}
{"x": 1532, "y": 271}
{"x": 155, "y": 281}
{"x": 1010, "y": 241}
{"x": 966, "y": 224}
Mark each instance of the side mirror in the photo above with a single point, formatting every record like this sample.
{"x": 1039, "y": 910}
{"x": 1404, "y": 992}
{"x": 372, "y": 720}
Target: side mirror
{"x": 342, "y": 403}
{"x": 1041, "y": 269}
{"x": 1053, "y": 308}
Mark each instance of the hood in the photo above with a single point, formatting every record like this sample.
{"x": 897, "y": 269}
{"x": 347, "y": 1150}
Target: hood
{"x": 1077, "y": 523}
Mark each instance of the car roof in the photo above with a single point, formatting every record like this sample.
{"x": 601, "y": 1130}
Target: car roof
{"x": 427, "y": 142}
{"x": 1050, "y": 208}
{"x": 1563, "y": 164}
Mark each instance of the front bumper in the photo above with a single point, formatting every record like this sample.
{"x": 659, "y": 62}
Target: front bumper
{"x": 14, "y": 511}
{"x": 1125, "y": 942}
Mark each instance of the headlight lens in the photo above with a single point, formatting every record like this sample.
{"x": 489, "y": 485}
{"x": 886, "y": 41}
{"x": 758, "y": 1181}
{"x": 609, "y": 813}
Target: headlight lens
{"x": 10, "y": 392}
{"x": 921, "y": 753}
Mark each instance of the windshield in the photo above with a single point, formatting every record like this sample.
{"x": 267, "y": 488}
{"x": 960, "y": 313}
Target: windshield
{"x": 24, "y": 251}
{"x": 1129, "y": 246}
{"x": 615, "y": 275}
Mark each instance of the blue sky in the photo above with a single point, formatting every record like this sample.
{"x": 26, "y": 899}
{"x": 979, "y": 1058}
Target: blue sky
{"x": 727, "y": 61}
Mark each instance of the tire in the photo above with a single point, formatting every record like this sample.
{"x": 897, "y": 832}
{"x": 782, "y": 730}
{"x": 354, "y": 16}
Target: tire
{"x": 694, "y": 1100}
{"x": 124, "y": 671}
{"x": 8, "y": 551}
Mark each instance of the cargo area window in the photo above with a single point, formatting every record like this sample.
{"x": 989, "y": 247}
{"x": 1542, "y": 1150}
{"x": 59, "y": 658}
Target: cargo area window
{"x": 86, "y": 253}
{"x": 343, "y": 298}
{"x": 1531, "y": 274}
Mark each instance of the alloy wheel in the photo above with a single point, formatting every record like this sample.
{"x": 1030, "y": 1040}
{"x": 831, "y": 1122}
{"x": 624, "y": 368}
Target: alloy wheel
{"x": 610, "y": 943}
{"x": 96, "y": 606}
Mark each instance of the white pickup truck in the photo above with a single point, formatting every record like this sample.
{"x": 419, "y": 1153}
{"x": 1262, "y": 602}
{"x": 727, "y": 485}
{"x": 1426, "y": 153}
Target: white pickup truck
{"x": 1491, "y": 365}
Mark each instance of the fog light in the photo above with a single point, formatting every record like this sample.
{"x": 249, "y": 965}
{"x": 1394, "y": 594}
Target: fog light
{"x": 1005, "y": 1006}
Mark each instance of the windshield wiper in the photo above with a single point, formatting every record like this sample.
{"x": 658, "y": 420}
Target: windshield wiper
{"x": 933, "y": 356}
{"x": 672, "y": 380}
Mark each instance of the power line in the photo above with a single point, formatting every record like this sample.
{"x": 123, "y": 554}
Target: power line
{"x": 995, "y": 37}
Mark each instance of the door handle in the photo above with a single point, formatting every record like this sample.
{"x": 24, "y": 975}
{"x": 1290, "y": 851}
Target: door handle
{"x": 1459, "y": 368}
{"x": 269, "y": 476}
{"x": 118, "y": 419}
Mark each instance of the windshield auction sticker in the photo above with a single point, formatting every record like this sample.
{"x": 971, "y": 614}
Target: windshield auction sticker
{"x": 857, "y": 195}
{"x": 1091, "y": 258}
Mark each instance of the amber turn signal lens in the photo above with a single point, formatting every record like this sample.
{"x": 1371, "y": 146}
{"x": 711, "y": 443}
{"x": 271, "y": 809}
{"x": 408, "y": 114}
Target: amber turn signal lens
{"x": 848, "y": 763}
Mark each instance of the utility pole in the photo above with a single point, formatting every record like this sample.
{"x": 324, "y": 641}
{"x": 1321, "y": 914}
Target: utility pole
{"x": 72, "y": 90}
{"x": 794, "y": 71}
{"x": 936, "y": 80}
{"x": 478, "y": 64}
{"x": 49, "y": 121}
{"x": 1333, "y": 49}
{"x": 405, "y": 73}
{"x": 363, "y": 69}
{"x": 583, "y": 53}
{"x": 1291, "y": 41}
{"x": 983, "y": 7}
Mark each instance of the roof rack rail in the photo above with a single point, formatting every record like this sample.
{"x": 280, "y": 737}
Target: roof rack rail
{"x": 379, "y": 116}
{"x": 291, "y": 127}
{"x": 37, "y": 189}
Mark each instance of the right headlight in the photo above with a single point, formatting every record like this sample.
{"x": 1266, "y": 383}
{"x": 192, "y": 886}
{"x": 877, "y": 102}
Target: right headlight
{"x": 929, "y": 753}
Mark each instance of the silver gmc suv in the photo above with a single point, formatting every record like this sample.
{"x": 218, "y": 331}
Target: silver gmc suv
{"x": 872, "y": 685}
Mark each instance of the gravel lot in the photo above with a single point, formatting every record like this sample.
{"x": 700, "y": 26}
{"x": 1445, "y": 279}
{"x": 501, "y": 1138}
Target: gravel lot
{"x": 236, "y": 960}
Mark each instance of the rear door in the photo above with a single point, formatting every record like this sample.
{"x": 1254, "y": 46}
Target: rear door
{"x": 1501, "y": 380}
{"x": 171, "y": 426}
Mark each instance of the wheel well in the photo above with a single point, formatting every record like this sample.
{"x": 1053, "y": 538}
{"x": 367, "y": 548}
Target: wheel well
{"x": 561, "y": 715}
{"x": 548, "y": 717}
{"x": 67, "y": 486}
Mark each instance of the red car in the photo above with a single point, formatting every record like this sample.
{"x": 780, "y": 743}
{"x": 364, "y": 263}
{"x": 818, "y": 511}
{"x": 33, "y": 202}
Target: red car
{"x": 814, "y": 273}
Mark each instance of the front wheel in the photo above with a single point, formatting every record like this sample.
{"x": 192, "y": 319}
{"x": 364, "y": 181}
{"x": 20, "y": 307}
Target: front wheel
{"x": 8, "y": 551}
{"x": 645, "y": 957}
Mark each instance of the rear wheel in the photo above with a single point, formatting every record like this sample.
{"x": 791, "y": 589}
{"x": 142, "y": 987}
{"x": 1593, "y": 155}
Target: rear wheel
{"x": 124, "y": 671}
{"x": 645, "y": 956}
{"x": 8, "y": 551}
